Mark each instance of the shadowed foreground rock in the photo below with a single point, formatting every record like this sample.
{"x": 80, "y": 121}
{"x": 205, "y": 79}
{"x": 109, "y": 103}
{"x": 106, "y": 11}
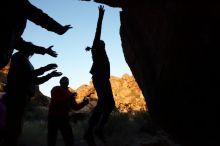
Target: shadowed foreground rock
{"x": 172, "y": 49}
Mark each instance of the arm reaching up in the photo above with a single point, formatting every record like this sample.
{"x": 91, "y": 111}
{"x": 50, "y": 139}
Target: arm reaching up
{"x": 99, "y": 25}
{"x": 96, "y": 40}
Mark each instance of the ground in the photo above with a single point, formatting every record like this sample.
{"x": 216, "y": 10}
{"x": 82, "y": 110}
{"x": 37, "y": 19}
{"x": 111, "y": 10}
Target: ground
{"x": 131, "y": 129}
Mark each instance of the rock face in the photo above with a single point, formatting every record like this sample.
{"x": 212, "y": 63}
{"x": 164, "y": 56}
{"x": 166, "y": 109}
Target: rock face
{"x": 3, "y": 77}
{"x": 172, "y": 49}
{"x": 127, "y": 95}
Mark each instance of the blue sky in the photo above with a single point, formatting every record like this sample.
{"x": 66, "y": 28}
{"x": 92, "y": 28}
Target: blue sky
{"x": 73, "y": 61}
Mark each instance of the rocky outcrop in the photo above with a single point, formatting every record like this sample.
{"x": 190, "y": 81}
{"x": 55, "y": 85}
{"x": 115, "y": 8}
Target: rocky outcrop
{"x": 86, "y": 91}
{"x": 5, "y": 69}
{"x": 3, "y": 77}
{"x": 172, "y": 50}
{"x": 127, "y": 95}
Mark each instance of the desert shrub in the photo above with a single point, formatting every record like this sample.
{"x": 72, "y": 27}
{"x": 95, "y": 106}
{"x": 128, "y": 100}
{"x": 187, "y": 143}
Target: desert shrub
{"x": 35, "y": 113}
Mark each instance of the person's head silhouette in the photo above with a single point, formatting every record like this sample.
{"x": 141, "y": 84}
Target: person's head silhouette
{"x": 64, "y": 82}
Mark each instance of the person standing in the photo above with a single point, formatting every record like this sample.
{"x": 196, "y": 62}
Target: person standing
{"x": 100, "y": 76}
{"x": 62, "y": 101}
{"x": 21, "y": 81}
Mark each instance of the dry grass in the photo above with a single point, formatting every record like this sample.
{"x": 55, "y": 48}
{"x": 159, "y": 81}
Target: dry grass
{"x": 131, "y": 129}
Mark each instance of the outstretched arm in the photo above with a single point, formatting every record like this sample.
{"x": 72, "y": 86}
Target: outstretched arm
{"x": 23, "y": 45}
{"x": 41, "y": 80}
{"x": 99, "y": 25}
{"x": 40, "y": 18}
{"x": 40, "y": 71}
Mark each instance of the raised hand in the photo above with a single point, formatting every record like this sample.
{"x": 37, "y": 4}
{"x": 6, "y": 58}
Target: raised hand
{"x": 55, "y": 73}
{"x": 50, "y": 52}
{"x": 101, "y": 9}
{"x": 66, "y": 28}
{"x": 51, "y": 66}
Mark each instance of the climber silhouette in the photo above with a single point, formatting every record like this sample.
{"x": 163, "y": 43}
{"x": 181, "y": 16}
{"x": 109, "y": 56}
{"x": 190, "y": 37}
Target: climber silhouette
{"x": 100, "y": 75}
{"x": 21, "y": 81}
{"x": 62, "y": 101}
{"x": 13, "y": 23}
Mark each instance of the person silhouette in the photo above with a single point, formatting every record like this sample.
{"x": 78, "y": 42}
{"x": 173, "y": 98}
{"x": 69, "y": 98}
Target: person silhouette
{"x": 100, "y": 71}
{"x": 13, "y": 23}
{"x": 62, "y": 101}
{"x": 21, "y": 81}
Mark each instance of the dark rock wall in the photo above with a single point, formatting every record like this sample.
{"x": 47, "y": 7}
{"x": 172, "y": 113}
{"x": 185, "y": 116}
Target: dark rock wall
{"x": 172, "y": 49}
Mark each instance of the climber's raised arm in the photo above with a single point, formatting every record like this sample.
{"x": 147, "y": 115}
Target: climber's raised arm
{"x": 99, "y": 25}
